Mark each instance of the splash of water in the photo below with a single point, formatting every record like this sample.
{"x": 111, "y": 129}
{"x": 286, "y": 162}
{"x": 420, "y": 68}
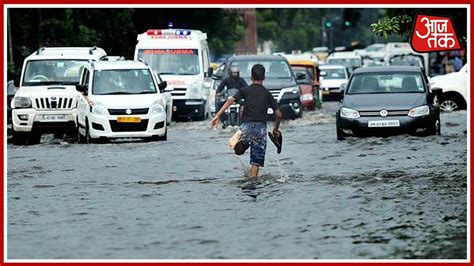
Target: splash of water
{"x": 284, "y": 176}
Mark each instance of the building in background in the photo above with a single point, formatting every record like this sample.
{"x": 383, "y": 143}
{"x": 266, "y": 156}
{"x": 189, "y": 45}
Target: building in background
{"x": 248, "y": 44}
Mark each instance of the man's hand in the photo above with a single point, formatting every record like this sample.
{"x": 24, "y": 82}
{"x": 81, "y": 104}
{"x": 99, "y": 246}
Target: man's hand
{"x": 276, "y": 133}
{"x": 215, "y": 121}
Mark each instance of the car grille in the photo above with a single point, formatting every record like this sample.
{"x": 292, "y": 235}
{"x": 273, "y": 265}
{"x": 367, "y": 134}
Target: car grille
{"x": 275, "y": 92}
{"x": 128, "y": 127}
{"x": 137, "y": 111}
{"x": 390, "y": 113}
{"x": 178, "y": 92}
{"x": 54, "y": 103}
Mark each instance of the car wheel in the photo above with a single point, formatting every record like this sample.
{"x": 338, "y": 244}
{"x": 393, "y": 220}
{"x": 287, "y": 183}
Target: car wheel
{"x": 165, "y": 136}
{"x": 18, "y": 138}
{"x": 34, "y": 138}
{"x": 449, "y": 104}
{"x": 88, "y": 139}
{"x": 80, "y": 138}
{"x": 340, "y": 135}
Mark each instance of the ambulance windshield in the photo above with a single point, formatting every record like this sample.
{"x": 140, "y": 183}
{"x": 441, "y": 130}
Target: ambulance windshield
{"x": 172, "y": 61}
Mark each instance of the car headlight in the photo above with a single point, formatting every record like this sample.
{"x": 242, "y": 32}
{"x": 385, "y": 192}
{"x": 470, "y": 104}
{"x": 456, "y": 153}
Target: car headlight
{"x": 419, "y": 111}
{"x": 294, "y": 90}
{"x": 194, "y": 92}
{"x": 98, "y": 108}
{"x": 157, "y": 108}
{"x": 21, "y": 102}
{"x": 349, "y": 113}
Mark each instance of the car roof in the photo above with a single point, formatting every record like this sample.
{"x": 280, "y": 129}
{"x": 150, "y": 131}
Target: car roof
{"x": 119, "y": 64}
{"x": 67, "y": 53}
{"x": 307, "y": 63}
{"x": 373, "y": 69}
{"x": 257, "y": 57}
{"x": 332, "y": 67}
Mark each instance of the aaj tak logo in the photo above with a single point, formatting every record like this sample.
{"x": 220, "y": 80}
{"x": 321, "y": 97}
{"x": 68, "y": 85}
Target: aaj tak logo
{"x": 434, "y": 33}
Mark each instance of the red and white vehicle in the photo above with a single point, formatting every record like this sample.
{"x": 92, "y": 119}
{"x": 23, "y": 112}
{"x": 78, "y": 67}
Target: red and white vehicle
{"x": 180, "y": 57}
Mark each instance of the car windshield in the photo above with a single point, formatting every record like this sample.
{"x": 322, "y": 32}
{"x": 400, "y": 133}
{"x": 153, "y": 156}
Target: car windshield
{"x": 347, "y": 62}
{"x": 375, "y": 48}
{"x": 308, "y": 71}
{"x": 129, "y": 81}
{"x": 273, "y": 69}
{"x": 369, "y": 83}
{"x": 406, "y": 60}
{"x": 335, "y": 73}
{"x": 48, "y": 72}
{"x": 172, "y": 61}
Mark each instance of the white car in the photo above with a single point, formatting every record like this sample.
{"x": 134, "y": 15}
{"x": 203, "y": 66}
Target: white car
{"x": 46, "y": 98}
{"x": 349, "y": 59}
{"x": 332, "y": 77}
{"x": 454, "y": 87}
{"x": 122, "y": 99}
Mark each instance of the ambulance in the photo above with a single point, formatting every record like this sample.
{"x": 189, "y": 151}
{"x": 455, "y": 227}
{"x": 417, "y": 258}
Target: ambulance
{"x": 181, "y": 57}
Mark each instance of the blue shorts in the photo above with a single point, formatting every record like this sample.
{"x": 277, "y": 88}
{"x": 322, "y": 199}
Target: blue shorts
{"x": 254, "y": 134}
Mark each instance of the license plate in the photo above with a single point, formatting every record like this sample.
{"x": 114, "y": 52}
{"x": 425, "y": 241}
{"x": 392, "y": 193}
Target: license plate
{"x": 54, "y": 117}
{"x": 270, "y": 111}
{"x": 384, "y": 123}
{"x": 326, "y": 92}
{"x": 128, "y": 119}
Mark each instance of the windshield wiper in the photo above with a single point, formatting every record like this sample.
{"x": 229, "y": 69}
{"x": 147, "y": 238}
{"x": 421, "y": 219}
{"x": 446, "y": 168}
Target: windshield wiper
{"x": 168, "y": 73}
{"x": 145, "y": 92}
{"x": 117, "y": 93}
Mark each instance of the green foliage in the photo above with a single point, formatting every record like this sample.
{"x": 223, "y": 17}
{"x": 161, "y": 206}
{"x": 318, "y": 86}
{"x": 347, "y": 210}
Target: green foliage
{"x": 115, "y": 29}
{"x": 392, "y": 25}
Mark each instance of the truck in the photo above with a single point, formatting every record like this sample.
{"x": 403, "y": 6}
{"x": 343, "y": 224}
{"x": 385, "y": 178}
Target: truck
{"x": 180, "y": 57}
{"x": 46, "y": 99}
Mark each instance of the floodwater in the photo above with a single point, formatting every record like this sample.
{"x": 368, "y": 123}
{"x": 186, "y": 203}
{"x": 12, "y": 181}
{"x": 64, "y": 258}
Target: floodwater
{"x": 189, "y": 197}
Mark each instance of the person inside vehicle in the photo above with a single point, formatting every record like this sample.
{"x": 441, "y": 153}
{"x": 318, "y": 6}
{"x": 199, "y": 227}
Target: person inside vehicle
{"x": 234, "y": 81}
{"x": 254, "y": 118}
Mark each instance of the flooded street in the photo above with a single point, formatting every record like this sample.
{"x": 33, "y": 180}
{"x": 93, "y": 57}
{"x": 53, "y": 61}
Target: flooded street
{"x": 188, "y": 198}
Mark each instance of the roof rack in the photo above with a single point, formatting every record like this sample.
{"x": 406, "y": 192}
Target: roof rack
{"x": 91, "y": 51}
{"x": 143, "y": 61}
{"x": 40, "y": 50}
{"x": 112, "y": 58}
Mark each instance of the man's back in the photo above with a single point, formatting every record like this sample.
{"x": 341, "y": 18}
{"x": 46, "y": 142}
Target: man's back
{"x": 257, "y": 101}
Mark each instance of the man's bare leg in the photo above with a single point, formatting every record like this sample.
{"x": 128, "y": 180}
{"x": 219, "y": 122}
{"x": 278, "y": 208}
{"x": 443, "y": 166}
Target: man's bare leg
{"x": 254, "y": 170}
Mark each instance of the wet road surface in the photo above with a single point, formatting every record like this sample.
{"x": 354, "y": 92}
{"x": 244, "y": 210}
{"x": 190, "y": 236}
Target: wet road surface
{"x": 188, "y": 198}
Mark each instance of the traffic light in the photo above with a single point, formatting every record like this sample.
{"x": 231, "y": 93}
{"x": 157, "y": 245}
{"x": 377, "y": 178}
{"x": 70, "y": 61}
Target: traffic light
{"x": 328, "y": 24}
{"x": 347, "y": 23}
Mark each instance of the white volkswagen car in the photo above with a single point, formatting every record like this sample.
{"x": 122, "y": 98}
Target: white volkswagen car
{"x": 122, "y": 99}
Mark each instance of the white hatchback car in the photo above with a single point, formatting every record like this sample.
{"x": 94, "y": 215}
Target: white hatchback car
{"x": 454, "y": 87}
{"x": 122, "y": 99}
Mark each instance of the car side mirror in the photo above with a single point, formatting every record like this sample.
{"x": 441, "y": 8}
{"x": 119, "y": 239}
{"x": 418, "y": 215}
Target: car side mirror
{"x": 343, "y": 89}
{"x": 82, "y": 89}
{"x": 162, "y": 86}
{"x": 437, "y": 91}
{"x": 300, "y": 76}
{"x": 210, "y": 70}
{"x": 217, "y": 76}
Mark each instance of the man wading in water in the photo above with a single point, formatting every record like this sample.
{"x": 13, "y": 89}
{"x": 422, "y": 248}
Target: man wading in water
{"x": 254, "y": 123}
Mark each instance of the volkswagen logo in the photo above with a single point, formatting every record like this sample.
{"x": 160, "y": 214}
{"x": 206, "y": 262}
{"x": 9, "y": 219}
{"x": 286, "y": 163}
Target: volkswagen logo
{"x": 128, "y": 111}
{"x": 383, "y": 113}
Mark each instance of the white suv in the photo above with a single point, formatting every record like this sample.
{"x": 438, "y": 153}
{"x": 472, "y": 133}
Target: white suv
{"x": 122, "y": 99}
{"x": 46, "y": 98}
{"x": 454, "y": 87}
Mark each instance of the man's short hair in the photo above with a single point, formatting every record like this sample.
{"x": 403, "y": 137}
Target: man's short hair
{"x": 258, "y": 72}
